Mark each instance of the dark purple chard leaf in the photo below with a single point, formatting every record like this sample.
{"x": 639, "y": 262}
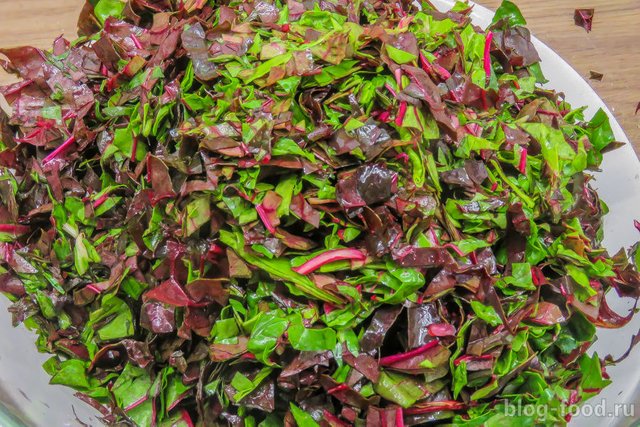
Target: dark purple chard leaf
{"x": 419, "y": 318}
{"x": 12, "y": 285}
{"x": 347, "y": 192}
{"x": 423, "y": 257}
{"x": 294, "y": 242}
{"x": 344, "y": 393}
{"x": 423, "y": 88}
{"x": 381, "y": 322}
{"x": 303, "y": 361}
{"x": 138, "y": 352}
{"x": 384, "y": 232}
{"x": 26, "y": 61}
{"x": 607, "y": 318}
{"x": 218, "y": 214}
{"x": 515, "y": 44}
{"x": 584, "y": 18}
{"x": 208, "y": 289}
{"x": 158, "y": 175}
{"x": 303, "y": 210}
{"x": 372, "y": 138}
{"x": 170, "y": 293}
{"x": 546, "y": 314}
{"x": 635, "y": 339}
{"x": 375, "y": 183}
{"x": 262, "y": 398}
{"x": 157, "y": 318}
{"x": 382, "y": 416}
{"x": 114, "y": 355}
{"x": 364, "y": 364}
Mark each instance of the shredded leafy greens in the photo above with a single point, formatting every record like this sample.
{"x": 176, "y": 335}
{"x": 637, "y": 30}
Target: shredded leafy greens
{"x": 305, "y": 213}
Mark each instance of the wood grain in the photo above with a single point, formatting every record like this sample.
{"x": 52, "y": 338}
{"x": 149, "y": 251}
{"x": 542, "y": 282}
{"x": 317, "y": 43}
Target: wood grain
{"x": 609, "y": 49}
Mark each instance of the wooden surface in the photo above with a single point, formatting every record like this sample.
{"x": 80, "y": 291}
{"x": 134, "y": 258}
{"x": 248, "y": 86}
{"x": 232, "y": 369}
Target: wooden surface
{"x": 611, "y": 48}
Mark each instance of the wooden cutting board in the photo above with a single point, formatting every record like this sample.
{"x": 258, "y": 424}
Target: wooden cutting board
{"x": 609, "y": 49}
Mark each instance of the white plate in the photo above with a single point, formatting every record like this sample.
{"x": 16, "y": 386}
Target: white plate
{"x": 618, "y": 184}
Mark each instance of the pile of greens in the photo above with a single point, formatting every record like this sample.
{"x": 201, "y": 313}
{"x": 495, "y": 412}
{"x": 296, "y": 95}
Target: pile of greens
{"x": 305, "y": 213}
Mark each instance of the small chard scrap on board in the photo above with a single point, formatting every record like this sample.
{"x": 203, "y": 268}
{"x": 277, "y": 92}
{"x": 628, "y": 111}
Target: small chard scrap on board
{"x": 305, "y": 213}
{"x": 584, "y": 18}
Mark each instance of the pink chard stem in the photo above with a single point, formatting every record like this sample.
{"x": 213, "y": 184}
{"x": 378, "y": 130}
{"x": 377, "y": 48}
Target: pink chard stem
{"x": 330, "y": 256}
